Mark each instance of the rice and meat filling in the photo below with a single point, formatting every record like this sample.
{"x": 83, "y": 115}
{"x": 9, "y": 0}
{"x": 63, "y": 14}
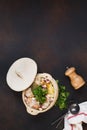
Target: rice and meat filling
{"x": 41, "y": 94}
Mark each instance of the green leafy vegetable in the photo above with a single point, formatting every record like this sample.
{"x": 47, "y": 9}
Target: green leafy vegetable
{"x": 40, "y": 94}
{"x": 62, "y": 98}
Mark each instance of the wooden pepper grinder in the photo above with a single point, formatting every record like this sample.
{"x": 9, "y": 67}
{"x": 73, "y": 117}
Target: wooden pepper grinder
{"x": 76, "y": 80}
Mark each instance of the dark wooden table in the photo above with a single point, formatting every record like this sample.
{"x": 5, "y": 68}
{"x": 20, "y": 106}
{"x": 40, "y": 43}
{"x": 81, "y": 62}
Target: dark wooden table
{"x": 54, "y": 34}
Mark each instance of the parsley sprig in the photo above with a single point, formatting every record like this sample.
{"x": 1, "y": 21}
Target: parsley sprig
{"x": 63, "y": 96}
{"x": 40, "y": 94}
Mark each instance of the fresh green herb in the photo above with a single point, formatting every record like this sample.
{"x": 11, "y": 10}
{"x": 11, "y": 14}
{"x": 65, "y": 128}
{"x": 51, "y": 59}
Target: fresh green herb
{"x": 40, "y": 94}
{"x": 62, "y": 98}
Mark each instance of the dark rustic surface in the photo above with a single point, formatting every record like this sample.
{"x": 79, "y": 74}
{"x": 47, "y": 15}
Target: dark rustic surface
{"x": 54, "y": 34}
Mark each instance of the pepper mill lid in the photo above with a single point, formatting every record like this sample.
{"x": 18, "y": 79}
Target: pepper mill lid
{"x": 69, "y": 70}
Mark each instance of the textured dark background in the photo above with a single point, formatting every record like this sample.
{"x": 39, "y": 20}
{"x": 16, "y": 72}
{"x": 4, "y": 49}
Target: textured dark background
{"x": 54, "y": 34}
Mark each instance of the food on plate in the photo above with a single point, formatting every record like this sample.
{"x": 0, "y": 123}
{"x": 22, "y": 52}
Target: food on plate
{"x": 41, "y": 95}
{"x": 39, "y": 91}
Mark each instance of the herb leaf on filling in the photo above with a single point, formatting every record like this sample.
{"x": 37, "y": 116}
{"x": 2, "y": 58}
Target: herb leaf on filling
{"x": 40, "y": 94}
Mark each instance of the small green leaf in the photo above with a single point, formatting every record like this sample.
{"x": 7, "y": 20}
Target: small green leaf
{"x": 40, "y": 94}
{"x": 62, "y": 98}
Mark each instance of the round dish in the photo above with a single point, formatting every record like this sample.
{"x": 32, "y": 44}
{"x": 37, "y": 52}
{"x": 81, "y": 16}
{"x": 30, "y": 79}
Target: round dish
{"x": 36, "y": 103}
{"x": 21, "y": 74}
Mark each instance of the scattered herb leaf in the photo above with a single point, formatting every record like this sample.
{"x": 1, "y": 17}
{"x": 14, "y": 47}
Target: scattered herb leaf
{"x": 63, "y": 96}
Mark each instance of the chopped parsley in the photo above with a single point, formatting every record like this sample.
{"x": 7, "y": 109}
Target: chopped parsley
{"x": 62, "y": 98}
{"x": 40, "y": 94}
